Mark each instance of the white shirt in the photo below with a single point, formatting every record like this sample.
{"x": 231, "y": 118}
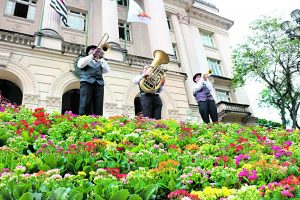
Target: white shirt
{"x": 82, "y": 62}
{"x": 197, "y": 86}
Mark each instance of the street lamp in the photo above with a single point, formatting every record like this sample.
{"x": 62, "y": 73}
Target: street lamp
{"x": 289, "y": 28}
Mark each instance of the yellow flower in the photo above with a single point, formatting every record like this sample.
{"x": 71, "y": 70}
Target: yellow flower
{"x": 82, "y": 173}
{"x": 28, "y": 164}
{"x": 247, "y": 166}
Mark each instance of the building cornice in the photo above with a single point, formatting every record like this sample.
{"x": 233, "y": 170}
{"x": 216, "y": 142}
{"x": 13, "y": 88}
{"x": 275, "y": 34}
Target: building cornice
{"x": 209, "y": 17}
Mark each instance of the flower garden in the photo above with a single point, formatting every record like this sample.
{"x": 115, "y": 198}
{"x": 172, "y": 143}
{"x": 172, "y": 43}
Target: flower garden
{"x": 69, "y": 157}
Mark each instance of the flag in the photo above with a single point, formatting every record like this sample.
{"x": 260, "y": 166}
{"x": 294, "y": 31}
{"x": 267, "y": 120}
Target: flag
{"x": 136, "y": 14}
{"x": 60, "y": 7}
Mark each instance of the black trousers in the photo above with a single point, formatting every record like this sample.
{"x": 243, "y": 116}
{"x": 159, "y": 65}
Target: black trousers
{"x": 151, "y": 105}
{"x": 208, "y": 109}
{"x": 91, "y": 94}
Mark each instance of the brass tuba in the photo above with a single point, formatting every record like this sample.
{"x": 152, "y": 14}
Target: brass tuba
{"x": 151, "y": 83}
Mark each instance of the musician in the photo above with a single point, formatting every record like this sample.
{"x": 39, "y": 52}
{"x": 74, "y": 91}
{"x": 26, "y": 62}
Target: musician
{"x": 151, "y": 103}
{"x": 92, "y": 67}
{"x": 202, "y": 90}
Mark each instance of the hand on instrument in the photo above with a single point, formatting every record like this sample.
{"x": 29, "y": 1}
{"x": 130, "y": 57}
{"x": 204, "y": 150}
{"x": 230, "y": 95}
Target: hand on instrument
{"x": 98, "y": 53}
{"x": 163, "y": 81}
{"x": 146, "y": 71}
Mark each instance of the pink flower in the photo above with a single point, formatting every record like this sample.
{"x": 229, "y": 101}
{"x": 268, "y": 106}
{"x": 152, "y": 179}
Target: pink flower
{"x": 286, "y": 193}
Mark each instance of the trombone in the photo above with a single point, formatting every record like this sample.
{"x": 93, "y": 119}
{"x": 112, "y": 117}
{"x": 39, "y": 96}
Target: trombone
{"x": 103, "y": 43}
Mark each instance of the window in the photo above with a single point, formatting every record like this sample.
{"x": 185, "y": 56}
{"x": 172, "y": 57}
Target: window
{"x": 175, "y": 56}
{"x": 122, "y": 31}
{"x": 169, "y": 21}
{"x": 223, "y": 95}
{"x": 214, "y": 65}
{"x": 207, "y": 39}
{"x": 21, "y": 8}
{"x": 122, "y": 2}
{"x": 77, "y": 20}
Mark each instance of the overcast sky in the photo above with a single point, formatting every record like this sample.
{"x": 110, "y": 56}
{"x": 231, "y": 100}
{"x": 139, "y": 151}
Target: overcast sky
{"x": 242, "y": 12}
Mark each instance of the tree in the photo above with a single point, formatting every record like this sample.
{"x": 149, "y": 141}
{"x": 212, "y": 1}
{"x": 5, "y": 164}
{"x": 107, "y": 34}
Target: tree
{"x": 273, "y": 59}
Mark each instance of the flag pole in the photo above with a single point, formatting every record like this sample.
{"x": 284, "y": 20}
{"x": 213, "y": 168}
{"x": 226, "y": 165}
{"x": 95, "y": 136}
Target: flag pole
{"x": 87, "y": 25}
{"x": 42, "y": 15}
{"x": 125, "y": 34}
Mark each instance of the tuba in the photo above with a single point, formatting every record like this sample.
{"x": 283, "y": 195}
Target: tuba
{"x": 151, "y": 83}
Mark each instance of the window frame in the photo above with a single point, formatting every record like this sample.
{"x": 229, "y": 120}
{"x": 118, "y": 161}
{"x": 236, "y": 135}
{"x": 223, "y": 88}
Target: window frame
{"x": 124, "y": 3}
{"x": 216, "y": 71}
{"x": 78, "y": 14}
{"x": 129, "y": 30}
{"x": 23, "y": 2}
{"x": 169, "y": 22}
{"x": 227, "y": 93}
{"x": 207, "y": 36}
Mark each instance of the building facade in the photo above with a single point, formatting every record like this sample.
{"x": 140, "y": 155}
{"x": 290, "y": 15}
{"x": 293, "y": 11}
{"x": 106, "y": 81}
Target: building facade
{"x": 37, "y": 54}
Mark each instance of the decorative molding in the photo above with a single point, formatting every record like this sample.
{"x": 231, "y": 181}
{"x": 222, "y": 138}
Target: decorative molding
{"x": 17, "y": 27}
{"x": 31, "y": 99}
{"x": 210, "y": 18}
{"x": 28, "y": 83}
{"x": 11, "y": 37}
{"x": 110, "y": 109}
{"x": 68, "y": 47}
{"x": 183, "y": 18}
{"x": 53, "y": 101}
{"x": 173, "y": 113}
{"x": 128, "y": 110}
{"x": 138, "y": 60}
{"x": 4, "y": 57}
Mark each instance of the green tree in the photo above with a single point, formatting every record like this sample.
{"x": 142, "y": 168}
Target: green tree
{"x": 273, "y": 59}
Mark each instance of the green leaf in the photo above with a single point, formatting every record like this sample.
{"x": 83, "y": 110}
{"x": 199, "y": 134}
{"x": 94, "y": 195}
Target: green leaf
{"x": 59, "y": 194}
{"x": 50, "y": 160}
{"x": 27, "y": 196}
{"x": 37, "y": 196}
{"x": 135, "y": 197}
{"x": 98, "y": 197}
{"x": 19, "y": 190}
{"x": 148, "y": 191}
{"x": 120, "y": 195}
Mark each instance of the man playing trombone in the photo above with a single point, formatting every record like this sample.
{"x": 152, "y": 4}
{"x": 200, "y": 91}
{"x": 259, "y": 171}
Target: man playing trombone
{"x": 92, "y": 67}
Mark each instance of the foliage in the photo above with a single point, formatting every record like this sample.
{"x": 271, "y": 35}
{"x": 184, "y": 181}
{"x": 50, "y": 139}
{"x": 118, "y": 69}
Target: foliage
{"x": 268, "y": 123}
{"x": 270, "y": 57}
{"x": 52, "y": 156}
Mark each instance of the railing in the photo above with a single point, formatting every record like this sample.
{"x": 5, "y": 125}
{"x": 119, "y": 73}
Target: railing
{"x": 68, "y": 47}
{"x": 18, "y": 38}
{"x": 138, "y": 60}
{"x": 226, "y": 107}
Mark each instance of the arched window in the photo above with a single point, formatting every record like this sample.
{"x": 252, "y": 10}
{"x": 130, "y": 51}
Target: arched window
{"x": 11, "y": 91}
{"x": 70, "y": 101}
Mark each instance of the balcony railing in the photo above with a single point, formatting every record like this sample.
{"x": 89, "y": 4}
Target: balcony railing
{"x": 18, "y": 38}
{"x": 228, "y": 107}
{"x": 138, "y": 60}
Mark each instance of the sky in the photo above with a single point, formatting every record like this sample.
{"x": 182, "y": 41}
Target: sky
{"x": 242, "y": 12}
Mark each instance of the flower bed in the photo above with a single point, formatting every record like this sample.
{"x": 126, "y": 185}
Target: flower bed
{"x": 53, "y": 156}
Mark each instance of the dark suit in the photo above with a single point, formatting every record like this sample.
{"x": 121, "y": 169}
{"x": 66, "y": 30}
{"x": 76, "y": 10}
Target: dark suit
{"x": 92, "y": 85}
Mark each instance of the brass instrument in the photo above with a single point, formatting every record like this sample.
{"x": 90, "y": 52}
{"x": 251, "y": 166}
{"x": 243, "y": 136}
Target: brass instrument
{"x": 209, "y": 73}
{"x": 103, "y": 43}
{"x": 151, "y": 83}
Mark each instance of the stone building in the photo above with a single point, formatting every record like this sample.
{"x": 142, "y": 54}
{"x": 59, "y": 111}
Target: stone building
{"x": 37, "y": 54}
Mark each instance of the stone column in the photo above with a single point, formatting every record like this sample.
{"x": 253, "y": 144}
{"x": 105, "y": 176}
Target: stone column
{"x": 180, "y": 23}
{"x": 159, "y": 34}
{"x": 49, "y": 37}
{"x": 51, "y": 20}
{"x": 110, "y": 20}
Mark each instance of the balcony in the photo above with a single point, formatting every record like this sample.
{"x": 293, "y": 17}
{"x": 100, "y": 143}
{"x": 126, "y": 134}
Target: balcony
{"x": 235, "y": 113}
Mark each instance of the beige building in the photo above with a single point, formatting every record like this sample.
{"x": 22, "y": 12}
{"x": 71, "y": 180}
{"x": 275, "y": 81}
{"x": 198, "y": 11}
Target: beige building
{"x": 37, "y": 54}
